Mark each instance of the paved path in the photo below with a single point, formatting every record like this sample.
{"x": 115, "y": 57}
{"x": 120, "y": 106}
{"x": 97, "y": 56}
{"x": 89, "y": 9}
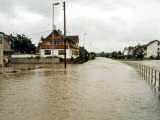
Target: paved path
{"x": 102, "y": 89}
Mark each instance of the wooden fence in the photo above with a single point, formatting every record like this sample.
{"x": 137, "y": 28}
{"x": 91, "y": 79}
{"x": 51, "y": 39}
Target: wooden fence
{"x": 150, "y": 74}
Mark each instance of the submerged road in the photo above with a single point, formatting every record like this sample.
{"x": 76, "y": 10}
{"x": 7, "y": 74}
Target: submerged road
{"x": 102, "y": 89}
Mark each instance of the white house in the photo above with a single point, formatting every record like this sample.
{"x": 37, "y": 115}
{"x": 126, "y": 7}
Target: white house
{"x": 125, "y": 51}
{"x": 153, "y": 49}
{"x": 53, "y": 46}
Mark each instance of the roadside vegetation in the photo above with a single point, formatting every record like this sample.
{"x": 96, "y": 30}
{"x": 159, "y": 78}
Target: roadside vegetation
{"x": 119, "y": 55}
{"x": 84, "y": 56}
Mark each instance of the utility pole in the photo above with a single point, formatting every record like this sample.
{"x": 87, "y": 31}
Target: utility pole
{"x": 65, "y": 54}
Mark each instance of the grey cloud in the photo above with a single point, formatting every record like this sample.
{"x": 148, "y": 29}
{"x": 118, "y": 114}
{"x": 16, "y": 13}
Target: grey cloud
{"x": 119, "y": 22}
{"x": 40, "y": 6}
{"x": 6, "y": 6}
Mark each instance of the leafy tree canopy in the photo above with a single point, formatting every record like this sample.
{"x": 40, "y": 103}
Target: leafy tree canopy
{"x": 22, "y": 44}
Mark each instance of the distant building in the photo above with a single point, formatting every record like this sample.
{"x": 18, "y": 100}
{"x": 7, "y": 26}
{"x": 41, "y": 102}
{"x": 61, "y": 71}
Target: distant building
{"x": 5, "y": 48}
{"x": 53, "y": 46}
{"x": 153, "y": 49}
{"x": 128, "y": 51}
{"x": 136, "y": 52}
{"x": 125, "y": 51}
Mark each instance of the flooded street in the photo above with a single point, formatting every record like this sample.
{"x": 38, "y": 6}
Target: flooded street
{"x": 102, "y": 89}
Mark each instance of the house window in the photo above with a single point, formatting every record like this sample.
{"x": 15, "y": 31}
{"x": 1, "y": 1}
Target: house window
{"x": 58, "y": 42}
{"x": 61, "y": 52}
{"x": 47, "y": 52}
{"x": 75, "y": 53}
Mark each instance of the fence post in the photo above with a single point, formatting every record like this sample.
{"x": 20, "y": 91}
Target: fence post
{"x": 142, "y": 72}
{"x": 146, "y": 72}
{"x": 159, "y": 82}
{"x": 155, "y": 77}
{"x": 140, "y": 68}
{"x": 152, "y": 76}
{"x": 149, "y": 78}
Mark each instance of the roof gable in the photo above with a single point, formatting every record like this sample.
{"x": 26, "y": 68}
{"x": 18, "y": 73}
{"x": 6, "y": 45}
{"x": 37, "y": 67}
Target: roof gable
{"x": 153, "y": 42}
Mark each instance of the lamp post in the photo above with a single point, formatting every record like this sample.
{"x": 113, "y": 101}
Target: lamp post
{"x": 65, "y": 54}
{"x": 65, "y": 46}
{"x": 53, "y": 5}
{"x": 53, "y": 25}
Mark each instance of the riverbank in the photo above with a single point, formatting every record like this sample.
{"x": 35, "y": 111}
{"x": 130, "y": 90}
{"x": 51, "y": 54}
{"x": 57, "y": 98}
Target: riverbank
{"x": 17, "y": 68}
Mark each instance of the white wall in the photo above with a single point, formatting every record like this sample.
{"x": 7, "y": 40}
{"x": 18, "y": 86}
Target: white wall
{"x": 125, "y": 52}
{"x": 24, "y": 56}
{"x": 152, "y": 49}
{"x": 54, "y": 52}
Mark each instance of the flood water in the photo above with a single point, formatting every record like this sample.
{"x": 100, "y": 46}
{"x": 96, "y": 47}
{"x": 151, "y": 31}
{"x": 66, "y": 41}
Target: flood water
{"x": 152, "y": 63}
{"x": 102, "y": 89}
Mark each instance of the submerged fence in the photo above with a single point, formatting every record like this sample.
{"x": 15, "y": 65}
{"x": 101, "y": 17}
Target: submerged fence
{"x": 150, "y": 74}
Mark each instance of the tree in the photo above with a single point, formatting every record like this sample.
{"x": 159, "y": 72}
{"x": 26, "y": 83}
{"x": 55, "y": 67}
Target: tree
{"x": 23, "y": 44}
{"x": 139, "y": 52}
{"x": 114, "y": 54}
{"x": 84, "y": 53}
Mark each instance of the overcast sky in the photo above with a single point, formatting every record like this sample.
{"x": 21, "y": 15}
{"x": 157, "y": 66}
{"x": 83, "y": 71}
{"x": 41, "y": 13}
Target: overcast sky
{"x": 103, "y": 25}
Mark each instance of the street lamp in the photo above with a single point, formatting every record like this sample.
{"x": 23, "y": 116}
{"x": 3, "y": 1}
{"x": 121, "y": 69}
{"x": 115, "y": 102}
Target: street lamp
{"x": 65, "y": 47}
{"x": 53, "y": 5}
{"x": 65, "y": 54}
{"x": 53, "y": 26}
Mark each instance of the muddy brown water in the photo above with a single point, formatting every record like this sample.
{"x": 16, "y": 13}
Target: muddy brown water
{"x": 102, "y": 89}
